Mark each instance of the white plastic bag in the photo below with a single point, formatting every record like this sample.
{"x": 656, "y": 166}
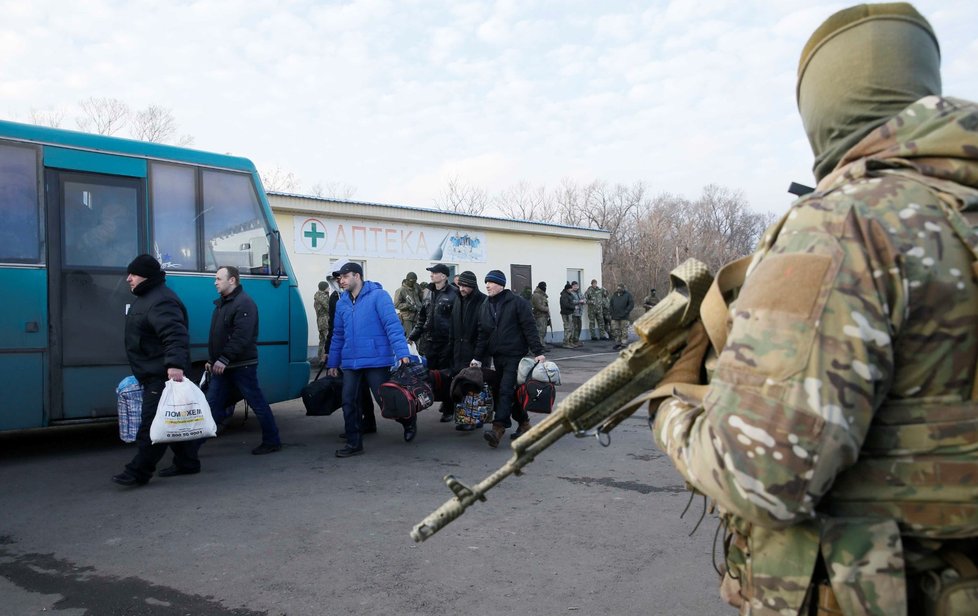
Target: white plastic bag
{"x": 182, "y": 415}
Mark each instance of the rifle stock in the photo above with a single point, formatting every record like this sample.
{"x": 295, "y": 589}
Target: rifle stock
{"x": 597, "y": 404}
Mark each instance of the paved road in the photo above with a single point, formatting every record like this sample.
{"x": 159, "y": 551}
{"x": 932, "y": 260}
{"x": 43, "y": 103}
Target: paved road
{"x": 586, "y": 530}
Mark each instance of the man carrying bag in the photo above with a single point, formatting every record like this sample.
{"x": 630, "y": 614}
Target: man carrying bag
{"x": 158, "y": 349}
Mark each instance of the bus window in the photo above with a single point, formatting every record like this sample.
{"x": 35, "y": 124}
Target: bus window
{"x": 235, "y": 231}
{"x": 100, "y": 224}
{"x": 20, "y": 231}
{"x": 174, "y": 215}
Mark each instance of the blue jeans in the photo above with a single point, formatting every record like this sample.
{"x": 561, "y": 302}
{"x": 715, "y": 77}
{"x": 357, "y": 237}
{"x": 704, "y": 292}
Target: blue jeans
{"x": 245, "y": 379}
{"x": 352, "y": 408}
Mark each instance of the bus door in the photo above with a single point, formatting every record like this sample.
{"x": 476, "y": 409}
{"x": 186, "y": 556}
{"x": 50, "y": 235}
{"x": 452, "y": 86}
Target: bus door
{"x": 97, "y": 227}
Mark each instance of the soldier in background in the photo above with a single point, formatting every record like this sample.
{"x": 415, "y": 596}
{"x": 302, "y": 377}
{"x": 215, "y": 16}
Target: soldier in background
{"x": 541, "y": 310}
{"x": 594, "y": 296}
{"x": 621, "y": 307}
{"x": 650, "y": 300}
{"x": 607, "y": 332}
{"x": 320, "y": 302}
{"x": 407, "y": 301}
{"x": 837, "y": 436}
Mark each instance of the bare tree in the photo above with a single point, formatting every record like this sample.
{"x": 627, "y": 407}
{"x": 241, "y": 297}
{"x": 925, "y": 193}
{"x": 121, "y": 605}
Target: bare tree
{"x": 155, "y": 123}
{"x": 463, "y": 198}
{"x": 53, "y": 118}
{"x": 526, "y": 202}
{"x": 280, "y": 180}
{"x": 340, "y": 191}
{"x": 103, "y": 115}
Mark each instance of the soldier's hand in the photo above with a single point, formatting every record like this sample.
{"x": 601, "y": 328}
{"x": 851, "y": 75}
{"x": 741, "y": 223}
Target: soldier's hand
{"x": 174, "y": 374}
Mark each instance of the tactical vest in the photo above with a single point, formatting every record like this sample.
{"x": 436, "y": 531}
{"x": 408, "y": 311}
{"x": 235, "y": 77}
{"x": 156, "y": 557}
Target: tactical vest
{"x": 916, "y": 477}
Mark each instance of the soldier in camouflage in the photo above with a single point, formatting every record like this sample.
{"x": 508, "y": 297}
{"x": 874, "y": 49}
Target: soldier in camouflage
{"x": 407, "y": 301}
{"x": 594, "y": 296}
{"x": 838, "y": 436}
{"x": 320, "y": 302}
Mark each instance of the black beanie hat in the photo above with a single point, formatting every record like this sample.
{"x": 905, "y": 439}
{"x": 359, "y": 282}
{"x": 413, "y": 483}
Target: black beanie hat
{"x": 468, "y": 279}
{"x": 144, "y": 265}
{"x": 542, "y": 286}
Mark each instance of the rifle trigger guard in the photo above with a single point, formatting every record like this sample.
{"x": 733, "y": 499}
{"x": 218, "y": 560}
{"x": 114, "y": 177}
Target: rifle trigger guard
{"x": 604, "y": 438}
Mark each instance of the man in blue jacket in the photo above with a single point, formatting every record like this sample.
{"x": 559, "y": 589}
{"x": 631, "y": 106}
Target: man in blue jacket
{"x": 367, "y": 338}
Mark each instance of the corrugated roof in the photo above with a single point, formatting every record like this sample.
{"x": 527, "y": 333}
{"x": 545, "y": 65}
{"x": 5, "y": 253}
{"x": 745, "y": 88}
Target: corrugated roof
{"x": 349, "y": 207}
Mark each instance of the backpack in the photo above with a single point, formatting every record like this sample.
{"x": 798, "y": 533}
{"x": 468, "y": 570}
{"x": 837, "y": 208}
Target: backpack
{"x": 407, "y": 393}
{"x": 323, "y": 396}
{"x": 536, "y": 396}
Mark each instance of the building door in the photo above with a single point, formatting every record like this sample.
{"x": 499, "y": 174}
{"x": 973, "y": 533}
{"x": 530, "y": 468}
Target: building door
{"x": 520, "y": 278}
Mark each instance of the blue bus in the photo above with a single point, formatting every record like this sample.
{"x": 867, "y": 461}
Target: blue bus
{"x": 75, "y": 208}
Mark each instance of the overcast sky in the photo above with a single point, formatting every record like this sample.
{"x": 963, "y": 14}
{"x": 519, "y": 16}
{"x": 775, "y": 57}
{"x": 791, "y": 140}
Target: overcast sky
{"x": 395, "y": 97}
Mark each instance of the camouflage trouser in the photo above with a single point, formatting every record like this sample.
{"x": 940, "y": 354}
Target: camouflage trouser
{"x": 577, "y": 327}
{"x": 322, "y": 344}
{"x": 568, "y": 320}
{"x": 619, "y": 329}
{"x": 607, "y": 325}
{"x": 542, "y": 321}
{"x": 407, "y": 321}
{"x": 595, "y": 322}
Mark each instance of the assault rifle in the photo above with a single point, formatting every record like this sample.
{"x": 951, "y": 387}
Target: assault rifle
{"x": 596, "y": 407}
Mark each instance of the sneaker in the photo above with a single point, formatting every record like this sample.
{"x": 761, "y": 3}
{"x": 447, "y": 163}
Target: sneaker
{"x": 494, "y": 435}
{"x": 523, "y": 428}
{"x": 578, "y": 345}
{"x": 265, "y": 448}
{"x": 174, "y": 470}
{"x": 348, "y": 452}
{"x": 128, "y": 481}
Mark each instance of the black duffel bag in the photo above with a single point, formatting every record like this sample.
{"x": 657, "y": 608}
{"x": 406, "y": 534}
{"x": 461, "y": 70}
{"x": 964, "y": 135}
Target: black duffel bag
{"x": 324, "y": 395}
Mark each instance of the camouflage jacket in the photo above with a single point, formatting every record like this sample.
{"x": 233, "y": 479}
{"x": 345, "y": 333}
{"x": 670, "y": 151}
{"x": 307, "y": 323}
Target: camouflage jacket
{"x": 822, "y": 429}
{"x": 321, "y": 303}
{"x": 407, "y": 300}
{"x": 540, "y": 303}
{"x": 594, "y": 296}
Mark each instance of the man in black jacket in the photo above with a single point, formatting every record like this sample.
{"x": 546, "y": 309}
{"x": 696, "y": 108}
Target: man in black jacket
{"x": 622, "y": 303}
{"x": 158, "y": 348}
{"x": 465, "y": 326}
{"x": 435, "y": 324}
{"x": 506, "y": 332}
{"x": 233, "y": 351}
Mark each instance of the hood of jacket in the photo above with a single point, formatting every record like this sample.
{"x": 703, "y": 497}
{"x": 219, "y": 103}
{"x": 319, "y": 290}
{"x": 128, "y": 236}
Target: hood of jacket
{"x": 935, "y": 136}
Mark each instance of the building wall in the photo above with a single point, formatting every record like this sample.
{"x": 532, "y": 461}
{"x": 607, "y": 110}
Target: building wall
{"x": 549, "y": 250}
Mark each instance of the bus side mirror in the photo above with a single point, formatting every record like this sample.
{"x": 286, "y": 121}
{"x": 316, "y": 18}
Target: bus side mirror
{"x": 275, "y": 256}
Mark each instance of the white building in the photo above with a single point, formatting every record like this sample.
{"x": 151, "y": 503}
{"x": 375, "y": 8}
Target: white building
{"x": 391, "y": 240}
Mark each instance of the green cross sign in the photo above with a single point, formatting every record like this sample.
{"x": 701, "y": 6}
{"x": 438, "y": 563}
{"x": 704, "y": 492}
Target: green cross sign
{"x": 314, "y": 235}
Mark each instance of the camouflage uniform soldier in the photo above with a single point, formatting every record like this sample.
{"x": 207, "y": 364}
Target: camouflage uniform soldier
{"x": 594, "y": 296}
{"x": 407, "y": 301}
{"x": 607, "y": 331}
{"x": 838, "y": 433}
{"x": 541, "y": 310}
{"x": 650, "y": 301}
{"x": 321, "y": 303}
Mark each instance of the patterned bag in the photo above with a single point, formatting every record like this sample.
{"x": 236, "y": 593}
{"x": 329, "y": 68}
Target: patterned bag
{"x": 475, "y": 408}
{"x": 407, "y": 393}
{"x": 130, "y": 407}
